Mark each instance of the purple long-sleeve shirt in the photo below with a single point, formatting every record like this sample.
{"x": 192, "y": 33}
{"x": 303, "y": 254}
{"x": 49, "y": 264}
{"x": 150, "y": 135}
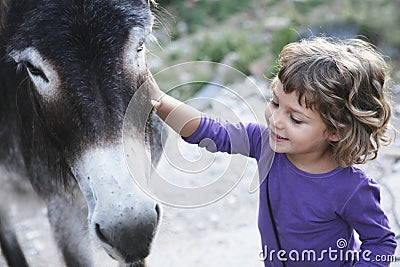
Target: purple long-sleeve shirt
{"x": 316, "y": 214}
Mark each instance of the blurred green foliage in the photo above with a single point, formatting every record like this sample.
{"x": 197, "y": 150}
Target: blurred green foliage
{"x": 279, "y": 39}
{"x": 216, "y": 47}
{"x": 308, "y": 5}
{"x": 196, "y": 13}
{"x": 376, "y": 20}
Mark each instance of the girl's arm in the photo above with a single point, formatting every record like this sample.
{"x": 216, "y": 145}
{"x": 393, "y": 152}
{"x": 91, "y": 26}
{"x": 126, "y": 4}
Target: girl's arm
{"x": 182, "y": 118}
{"x": 363, "y": 211}
{"x": 214, "y": 135}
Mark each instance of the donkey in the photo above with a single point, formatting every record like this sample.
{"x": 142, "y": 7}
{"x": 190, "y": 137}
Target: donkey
{"x": 67, "y": 73}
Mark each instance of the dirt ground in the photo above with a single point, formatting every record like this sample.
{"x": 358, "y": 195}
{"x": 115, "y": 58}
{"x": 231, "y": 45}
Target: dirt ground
{"x": 222, "y": 233}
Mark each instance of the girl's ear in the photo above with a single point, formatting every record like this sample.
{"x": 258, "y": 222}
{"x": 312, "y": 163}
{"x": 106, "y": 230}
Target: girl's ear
{"x": 333, "y": 137}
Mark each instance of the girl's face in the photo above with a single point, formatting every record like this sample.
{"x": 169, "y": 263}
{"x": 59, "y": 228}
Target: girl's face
{"x": 295, "y": 130}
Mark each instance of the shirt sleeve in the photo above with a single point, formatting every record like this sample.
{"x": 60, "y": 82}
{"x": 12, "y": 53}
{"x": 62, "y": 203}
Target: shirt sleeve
{"x": 363, "y": 212}
{"x": 239, "y": 138}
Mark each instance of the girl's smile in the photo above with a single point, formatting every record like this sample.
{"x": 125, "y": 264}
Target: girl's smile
{"x": 277, "y": 138}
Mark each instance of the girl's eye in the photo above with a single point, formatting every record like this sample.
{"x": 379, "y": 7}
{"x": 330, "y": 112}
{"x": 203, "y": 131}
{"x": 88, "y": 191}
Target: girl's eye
{"x": 274, "y": 103}
{"x": 296, "y": 121}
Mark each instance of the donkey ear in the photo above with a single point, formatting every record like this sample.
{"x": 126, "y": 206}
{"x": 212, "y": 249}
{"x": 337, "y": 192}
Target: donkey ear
{"x": 4, "y": 6}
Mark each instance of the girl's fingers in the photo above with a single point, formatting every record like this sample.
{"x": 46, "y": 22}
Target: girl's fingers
{"x": 155, "y": 104}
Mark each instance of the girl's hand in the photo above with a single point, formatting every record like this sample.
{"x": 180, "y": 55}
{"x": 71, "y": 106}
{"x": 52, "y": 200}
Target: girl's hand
{"x": 182, "y": 118}
{"x": 154, "y": 90}
{"x": 156, "y": 104}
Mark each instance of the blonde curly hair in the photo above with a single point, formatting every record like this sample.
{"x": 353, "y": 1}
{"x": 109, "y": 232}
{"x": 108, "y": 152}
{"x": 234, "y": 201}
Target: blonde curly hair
{"x": 348, "y": 83}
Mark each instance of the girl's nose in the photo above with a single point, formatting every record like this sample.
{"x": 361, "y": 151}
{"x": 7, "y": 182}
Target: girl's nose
{"x": 276, "y": 120}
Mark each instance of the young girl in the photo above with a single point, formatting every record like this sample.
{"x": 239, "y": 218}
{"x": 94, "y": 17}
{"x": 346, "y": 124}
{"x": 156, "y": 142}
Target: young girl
{"x": 328, "y": 112}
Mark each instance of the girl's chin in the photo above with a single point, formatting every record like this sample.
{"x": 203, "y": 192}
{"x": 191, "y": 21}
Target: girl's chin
{"x": 276, "y": 147}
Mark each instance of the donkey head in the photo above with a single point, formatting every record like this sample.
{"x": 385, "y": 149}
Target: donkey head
{"x": 81, "y": 61}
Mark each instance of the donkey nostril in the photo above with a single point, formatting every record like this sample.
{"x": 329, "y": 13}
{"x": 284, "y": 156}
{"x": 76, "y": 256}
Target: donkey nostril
{"x": 99, "y": 234}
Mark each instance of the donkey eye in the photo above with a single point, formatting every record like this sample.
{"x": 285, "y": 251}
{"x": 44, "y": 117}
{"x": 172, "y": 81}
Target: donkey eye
{"x": 35, "y": 71}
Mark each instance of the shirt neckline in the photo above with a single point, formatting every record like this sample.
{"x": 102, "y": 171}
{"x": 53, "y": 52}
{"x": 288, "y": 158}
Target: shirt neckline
{"x": 307, "y": 174}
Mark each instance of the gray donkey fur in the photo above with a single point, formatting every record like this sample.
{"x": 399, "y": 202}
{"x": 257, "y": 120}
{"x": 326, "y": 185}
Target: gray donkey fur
{"x": 67, "y": 73}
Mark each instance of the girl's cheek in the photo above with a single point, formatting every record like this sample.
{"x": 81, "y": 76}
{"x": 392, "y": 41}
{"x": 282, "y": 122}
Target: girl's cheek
{"x": 268, "y": 113}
